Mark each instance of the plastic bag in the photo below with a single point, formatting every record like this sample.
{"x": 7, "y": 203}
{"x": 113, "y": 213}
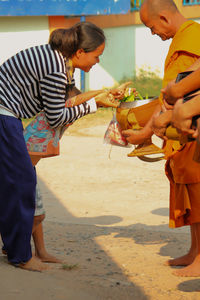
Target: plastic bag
{"x": 113, "y": 134}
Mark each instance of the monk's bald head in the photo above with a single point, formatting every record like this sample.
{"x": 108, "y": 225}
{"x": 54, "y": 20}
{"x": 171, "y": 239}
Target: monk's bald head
{"x": 162, "y": 17}
{"x": 154, "y": 7}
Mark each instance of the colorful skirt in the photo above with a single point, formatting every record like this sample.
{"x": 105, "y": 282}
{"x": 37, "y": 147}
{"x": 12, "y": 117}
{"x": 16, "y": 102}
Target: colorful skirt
{"x": 41, "y": 139}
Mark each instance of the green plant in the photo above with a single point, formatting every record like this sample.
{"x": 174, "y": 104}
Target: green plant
{"x": 69, "y": 267}
{"x": 136, "y": 3}
{"x": 147, "y": 83}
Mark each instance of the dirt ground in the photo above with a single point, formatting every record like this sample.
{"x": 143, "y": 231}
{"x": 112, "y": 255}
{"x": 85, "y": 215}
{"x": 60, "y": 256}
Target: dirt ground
{"x": 107, "y": 218}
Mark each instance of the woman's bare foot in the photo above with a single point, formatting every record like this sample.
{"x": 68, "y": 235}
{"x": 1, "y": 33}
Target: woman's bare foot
{"x": 193, "y": 270}
{"x": 44, "y": 256}
{"x": 181, "y": 261}
{"x": 34, "y": 264}
{"x": 4, "y": 251}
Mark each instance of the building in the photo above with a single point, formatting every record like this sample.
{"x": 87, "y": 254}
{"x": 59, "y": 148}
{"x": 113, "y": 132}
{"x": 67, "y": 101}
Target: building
{"x": 129, "y": 45}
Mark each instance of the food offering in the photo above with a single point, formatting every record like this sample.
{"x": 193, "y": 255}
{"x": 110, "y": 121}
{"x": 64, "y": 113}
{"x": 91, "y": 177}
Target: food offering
{"x": 130, "y": 95}
{"x": 134, "y": 110}
{"x": 133, "y": 113}
{"x": 113, "y": 134}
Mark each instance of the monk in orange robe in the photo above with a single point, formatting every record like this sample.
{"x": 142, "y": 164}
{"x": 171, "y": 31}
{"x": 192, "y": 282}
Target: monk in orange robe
{"x": 164, "y": 20}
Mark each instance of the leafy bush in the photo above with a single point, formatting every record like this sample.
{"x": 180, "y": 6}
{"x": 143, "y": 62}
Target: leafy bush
{"x": 136, "y": 4}
{"x": 147, "y": 83}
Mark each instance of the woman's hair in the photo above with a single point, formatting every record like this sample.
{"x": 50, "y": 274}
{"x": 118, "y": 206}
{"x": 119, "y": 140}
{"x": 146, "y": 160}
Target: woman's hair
{"x": 83, "y": 35}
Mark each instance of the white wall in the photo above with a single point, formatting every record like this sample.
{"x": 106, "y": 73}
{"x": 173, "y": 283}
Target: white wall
{"x": 150, "y": 50}
{"x": 119, "y": 58}
{"x": 128, "y": 49}
{"x": 17, "y": 33}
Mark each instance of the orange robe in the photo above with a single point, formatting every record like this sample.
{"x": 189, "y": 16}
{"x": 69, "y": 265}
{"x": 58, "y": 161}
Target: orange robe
{"x": 182, "y": 171}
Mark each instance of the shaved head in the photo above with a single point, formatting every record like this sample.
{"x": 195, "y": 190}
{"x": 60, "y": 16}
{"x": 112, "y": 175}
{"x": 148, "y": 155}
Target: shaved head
{"x": 162, "y": 17}
{"x": 154, "y": 7}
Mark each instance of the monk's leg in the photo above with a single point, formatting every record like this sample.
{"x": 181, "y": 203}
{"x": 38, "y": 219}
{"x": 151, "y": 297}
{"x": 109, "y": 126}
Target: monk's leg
{"x": 192, "y": 270}
{"x": 188, "y": 258}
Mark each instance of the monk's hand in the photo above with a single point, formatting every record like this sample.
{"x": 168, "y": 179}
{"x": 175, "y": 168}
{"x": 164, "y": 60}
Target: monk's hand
{"x": 160, "y": 122}
{"x": 166, "y": 106}
{"x": 181, "y": 120}
{"x": 135, "y": 137}
{"x": 196, "y": 133}
{"x": 106, "y": 100}
{"x": 168, "y": 93}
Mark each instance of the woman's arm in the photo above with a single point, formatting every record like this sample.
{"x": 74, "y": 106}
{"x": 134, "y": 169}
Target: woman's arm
{"x": 81, "y": 98}
{"x": 108, "y": 98}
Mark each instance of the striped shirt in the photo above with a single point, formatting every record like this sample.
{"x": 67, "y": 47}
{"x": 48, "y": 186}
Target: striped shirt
{"x": 35, "y": 79}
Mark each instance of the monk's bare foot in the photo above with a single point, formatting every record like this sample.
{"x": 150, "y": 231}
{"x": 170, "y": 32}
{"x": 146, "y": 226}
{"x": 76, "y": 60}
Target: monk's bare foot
{"x": 44, "y": 256}
{"x": 34, "y": 264}
{"x": 192, "y": 270}
{"x": 181, "y": 261}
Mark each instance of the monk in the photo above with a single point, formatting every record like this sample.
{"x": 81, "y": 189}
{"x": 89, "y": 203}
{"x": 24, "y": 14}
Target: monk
{"x": 164, "y": 19}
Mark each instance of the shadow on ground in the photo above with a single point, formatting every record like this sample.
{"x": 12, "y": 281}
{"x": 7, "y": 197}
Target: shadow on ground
{"x": 75, "y": 239}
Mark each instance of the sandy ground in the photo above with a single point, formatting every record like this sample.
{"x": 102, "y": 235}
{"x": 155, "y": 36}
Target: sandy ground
{"x": 109, "y": 218}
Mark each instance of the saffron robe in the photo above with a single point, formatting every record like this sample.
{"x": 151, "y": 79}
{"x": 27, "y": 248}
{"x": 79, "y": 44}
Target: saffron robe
{"x": 182, "y": 171}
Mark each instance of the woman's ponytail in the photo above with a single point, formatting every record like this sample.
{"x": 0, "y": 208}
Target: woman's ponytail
{"x": 64, "y": 40}
{"x": 83, "y": 35}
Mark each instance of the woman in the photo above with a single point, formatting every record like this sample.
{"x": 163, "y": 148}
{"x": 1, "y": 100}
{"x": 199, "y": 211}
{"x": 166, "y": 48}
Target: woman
{"x": 36, "y": 79}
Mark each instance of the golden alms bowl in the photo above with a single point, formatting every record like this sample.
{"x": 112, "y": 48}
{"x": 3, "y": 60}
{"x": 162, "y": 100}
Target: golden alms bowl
{"x": 136, "y": 103}
{"x": 135, "y": 115}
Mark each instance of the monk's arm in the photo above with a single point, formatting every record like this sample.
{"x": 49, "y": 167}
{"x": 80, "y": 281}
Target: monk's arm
{"x": 174, "y": 91}
{"x": 194, "y": 66}
{"x": 160, "y": 123}
{"x": 137, "y": 137}
{"x": 184, "y": 112}
{"x": 180, "y": 62}
{"x": 153, "y": 126}
{"x": 189, "y": 109}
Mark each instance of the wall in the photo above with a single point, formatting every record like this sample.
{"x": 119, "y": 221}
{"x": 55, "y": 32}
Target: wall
{"x": 129, "y": 46}
{"x": 150, "y": 51}
{"x": 17, "y": 33}
{"x": 117, "y": 61}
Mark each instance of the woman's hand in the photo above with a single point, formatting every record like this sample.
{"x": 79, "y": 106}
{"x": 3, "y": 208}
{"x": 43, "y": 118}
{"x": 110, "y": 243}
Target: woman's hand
{"x": 119, "y": 92}
{"x": 106, "y": 100}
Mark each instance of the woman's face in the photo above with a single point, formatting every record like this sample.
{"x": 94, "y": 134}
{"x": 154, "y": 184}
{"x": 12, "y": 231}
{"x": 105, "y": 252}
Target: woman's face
{"x": 86, "y": 60}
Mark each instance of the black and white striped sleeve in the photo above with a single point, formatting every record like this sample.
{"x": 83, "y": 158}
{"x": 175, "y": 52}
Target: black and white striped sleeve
{"x": 53, "y": 93}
